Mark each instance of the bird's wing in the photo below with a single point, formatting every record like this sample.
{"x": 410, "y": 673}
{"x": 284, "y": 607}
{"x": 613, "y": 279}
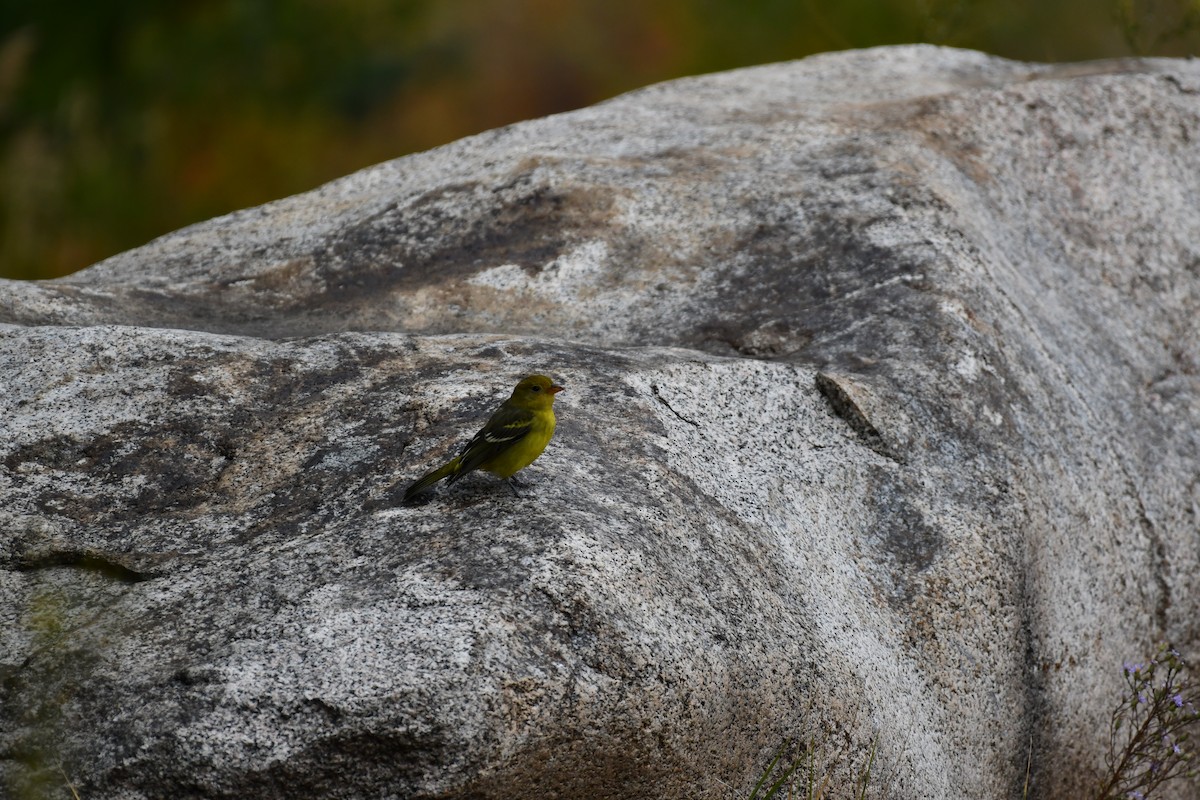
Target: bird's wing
{"x": 507, "y": 426}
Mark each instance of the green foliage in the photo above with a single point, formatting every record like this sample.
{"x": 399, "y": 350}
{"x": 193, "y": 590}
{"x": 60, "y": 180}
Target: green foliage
{"x": 41, "y": 773}
{"x": 777, "y": 782}
{"x": 817, "y": 778}
{"x": 122, "y": 121}
{"x": 1151, "y": 27}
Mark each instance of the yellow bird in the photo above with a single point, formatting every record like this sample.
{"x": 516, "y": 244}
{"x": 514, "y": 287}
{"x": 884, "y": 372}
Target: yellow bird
{"x": 510, "y": 441}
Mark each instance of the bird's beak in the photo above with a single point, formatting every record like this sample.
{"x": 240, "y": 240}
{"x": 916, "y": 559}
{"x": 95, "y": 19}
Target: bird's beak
{"x": 555, "y": 389}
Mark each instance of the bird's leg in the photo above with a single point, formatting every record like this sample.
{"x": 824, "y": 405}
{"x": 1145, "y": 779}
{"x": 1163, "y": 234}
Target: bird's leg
{"x": 513, "y": 483}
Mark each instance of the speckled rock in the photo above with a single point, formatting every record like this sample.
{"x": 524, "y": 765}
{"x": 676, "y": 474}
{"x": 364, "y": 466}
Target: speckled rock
{"x": 881, "y": 426}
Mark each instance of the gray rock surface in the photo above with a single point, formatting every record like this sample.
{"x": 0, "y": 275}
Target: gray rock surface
{"x": 881, "y": 426}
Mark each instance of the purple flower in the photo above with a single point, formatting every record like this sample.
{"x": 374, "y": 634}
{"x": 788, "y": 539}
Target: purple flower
{"x": 1177, "y": 700}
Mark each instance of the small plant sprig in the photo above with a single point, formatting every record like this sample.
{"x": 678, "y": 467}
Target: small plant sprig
{"x": 1148, "y": 734}
{"x": 773, "y": 789}
{"x": 813, "y": 790}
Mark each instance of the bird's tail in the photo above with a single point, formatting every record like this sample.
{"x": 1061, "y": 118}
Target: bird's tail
{"x": 430, "y": 478}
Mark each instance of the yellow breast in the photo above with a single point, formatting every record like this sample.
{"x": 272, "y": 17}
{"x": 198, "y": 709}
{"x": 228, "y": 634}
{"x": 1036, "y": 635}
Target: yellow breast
{"x": 524, "y": 452}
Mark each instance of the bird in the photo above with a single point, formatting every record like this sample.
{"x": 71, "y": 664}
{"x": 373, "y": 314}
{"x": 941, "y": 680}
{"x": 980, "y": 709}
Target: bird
{"x": 514, "y": 436}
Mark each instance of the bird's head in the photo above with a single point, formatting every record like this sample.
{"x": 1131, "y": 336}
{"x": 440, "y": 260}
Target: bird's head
{"x": 536, "y": 391}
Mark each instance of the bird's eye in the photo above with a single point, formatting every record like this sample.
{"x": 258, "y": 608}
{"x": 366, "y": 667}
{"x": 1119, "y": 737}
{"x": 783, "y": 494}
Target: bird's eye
{"x": 536, "y": 388}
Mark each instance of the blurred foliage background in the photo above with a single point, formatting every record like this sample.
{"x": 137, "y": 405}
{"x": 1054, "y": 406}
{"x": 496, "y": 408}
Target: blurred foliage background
{"x": 121, "y": 120}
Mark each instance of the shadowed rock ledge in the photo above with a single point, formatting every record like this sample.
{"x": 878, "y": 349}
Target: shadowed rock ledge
{"x": 881, "y": 426}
